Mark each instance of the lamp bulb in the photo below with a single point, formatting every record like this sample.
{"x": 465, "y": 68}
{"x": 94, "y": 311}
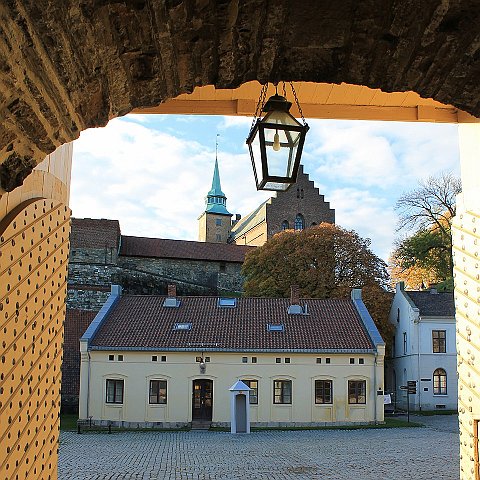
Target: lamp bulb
{"x": 276, "y": 142}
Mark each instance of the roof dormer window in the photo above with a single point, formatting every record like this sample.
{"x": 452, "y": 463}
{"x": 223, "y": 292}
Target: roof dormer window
{"x": 227, "y": 302}
{"x": 271, "y": 327}
{"x": 183, "y": 326}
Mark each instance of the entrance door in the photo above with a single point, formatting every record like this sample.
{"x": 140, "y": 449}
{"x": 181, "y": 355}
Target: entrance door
{"x": 202, "y": 400}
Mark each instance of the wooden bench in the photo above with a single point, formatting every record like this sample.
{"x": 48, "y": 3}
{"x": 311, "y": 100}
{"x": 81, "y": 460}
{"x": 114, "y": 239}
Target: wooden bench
{"x": 90, "y": 424}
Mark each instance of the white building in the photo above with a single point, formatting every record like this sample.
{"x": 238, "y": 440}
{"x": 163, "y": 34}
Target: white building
{"x": 170, "y": 361}
{"x": 424, "y": 349}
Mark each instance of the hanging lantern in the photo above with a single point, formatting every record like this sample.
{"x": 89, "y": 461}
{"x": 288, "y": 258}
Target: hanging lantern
{"x": 276, "y": 142}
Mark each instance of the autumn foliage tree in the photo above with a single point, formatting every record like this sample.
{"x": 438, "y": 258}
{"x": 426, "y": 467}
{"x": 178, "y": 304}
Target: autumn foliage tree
{"x": 326, "y": 261}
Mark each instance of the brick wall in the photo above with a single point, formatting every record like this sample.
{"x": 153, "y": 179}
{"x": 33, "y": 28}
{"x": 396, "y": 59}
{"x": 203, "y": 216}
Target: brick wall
{"x": 302, "y": 197}
{"x": 76, "y": 322}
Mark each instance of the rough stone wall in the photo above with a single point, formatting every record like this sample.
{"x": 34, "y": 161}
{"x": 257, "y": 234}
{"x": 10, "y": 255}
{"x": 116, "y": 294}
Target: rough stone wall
{"x": 193, "y": 277}
{"x": 66, "y": 65}
{"x": 302, "y": 197}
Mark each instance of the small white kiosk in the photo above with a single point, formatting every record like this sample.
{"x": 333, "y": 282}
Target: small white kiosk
{"x": 240, "y": 408}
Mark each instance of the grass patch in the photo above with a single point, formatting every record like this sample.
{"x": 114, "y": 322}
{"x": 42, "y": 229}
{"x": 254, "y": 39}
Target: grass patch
{"x": 431, "y": 413}
{"x": 389, "y": 423}
{"x": 68, "y": 421}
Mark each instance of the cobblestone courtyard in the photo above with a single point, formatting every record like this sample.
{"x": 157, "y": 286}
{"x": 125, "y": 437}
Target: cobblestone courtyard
{"x": 391, "y": 454}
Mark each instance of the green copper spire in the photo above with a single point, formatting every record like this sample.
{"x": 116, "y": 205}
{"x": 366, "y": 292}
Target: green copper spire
{"x": 216, "y": 200}
{"x": 216, "y": 187}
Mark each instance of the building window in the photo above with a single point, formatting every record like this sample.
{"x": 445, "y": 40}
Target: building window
{"x": 356, "y": 391}
{"x": 287, "y": 360}
{"x": 327, "y": 360}
{"x": 352, "y": 361}
{"x": 253, "y": 384}
{"x": 278, "y": 360}
{"x": 244, "y": 359}
{"x": 404, "y": 343}
{"x": 218, "y": 222}
{"x": 254, "y": 359}
{"x": 163, "y": 358}
{"x": 285, "y": 225}
{"x": 299, "y": 222}
{"x": 111, "y": 358}
{"x": 222, "y": 267}
{"x": 439, "y": 341}
{"x": 114, "y": 391}
{"x": 398, "y": 315}
{"x": 218, "y": 237}
{"x": 439, "y": 382}
{"x": 120, "y": 358}
{"x": 158, "y": 392}
{"x": 207, "y": 359}
{"x": 361, "y": 361}
{"x": 282, "y": 392}
{"x": 323, "y": 391}
{"x": 319, "y": 360}
{"x": 154, "y": 358}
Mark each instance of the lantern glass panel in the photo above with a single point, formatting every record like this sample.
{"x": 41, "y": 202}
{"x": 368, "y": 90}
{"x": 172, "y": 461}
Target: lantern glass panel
{"x": 256, "y": 155}
{"x": 281, "y": 143}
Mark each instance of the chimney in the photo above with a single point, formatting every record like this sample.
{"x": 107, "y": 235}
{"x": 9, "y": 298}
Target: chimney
{"x": 295, "y": 308}
{"x": 294, "y": 295}
{"x": 171, "y": 300}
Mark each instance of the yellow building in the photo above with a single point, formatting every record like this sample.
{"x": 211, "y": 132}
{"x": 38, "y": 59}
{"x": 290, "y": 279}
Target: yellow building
{"x": 169, "y": 361}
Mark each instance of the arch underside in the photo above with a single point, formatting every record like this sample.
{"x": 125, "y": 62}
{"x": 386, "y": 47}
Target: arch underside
{"x": 69, "y": 65}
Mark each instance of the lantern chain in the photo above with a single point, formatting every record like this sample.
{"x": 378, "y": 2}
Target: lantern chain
{"x": 261, "y": 102}
{"x": 298, "y": 103}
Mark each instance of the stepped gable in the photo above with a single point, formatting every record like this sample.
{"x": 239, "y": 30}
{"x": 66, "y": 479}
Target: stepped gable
{"x": 94, "y": 233}
{"x": 144, "y": 323}
{"x": 184, "y": 249}
{"x": 440, "y": 304}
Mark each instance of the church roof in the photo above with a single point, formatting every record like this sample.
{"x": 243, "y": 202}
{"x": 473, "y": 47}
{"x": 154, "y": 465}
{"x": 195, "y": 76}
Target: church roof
{"x": 166, "y": 248}
{"x": 250, "y": 221}
{"x": 137, "y": 322}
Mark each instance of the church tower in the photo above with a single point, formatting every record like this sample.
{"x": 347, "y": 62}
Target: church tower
{"x": 215, "y": 222}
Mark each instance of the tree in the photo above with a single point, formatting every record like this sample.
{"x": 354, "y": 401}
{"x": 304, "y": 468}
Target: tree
{"x": 427, "y": 253}
{"x": 326, "y": 261}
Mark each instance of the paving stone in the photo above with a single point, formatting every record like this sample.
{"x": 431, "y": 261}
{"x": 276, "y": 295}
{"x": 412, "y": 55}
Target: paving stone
{"x": 393, "y": 454}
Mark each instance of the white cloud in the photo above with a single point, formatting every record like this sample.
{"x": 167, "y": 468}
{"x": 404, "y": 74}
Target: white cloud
{"x": 234, "y": 122}
{"x": 370, "y": 216}
{"x": 153, "y": 175}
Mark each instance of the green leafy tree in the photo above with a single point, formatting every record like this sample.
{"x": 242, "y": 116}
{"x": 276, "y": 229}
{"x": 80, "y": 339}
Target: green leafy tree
{"x": 427, "y": 253}
{"x": 326, "y": 261}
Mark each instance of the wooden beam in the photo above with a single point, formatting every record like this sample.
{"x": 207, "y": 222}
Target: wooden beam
{"x": 246, "y": 107}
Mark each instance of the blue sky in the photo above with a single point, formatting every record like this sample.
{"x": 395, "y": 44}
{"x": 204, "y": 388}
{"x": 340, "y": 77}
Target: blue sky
{"x": 152, "y": 172}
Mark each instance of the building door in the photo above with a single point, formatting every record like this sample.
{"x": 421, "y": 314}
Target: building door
{"x": 202, "y": 400}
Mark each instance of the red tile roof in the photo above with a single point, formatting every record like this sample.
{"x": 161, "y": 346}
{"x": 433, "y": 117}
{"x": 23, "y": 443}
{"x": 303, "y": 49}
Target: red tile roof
{"x": 164, "y": 248}
{"x": 94, "y": 233}
{"x": 142, "y": 322}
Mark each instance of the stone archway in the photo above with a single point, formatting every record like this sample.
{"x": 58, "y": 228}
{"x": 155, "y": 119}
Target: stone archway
{"x": 69, "y": 65}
